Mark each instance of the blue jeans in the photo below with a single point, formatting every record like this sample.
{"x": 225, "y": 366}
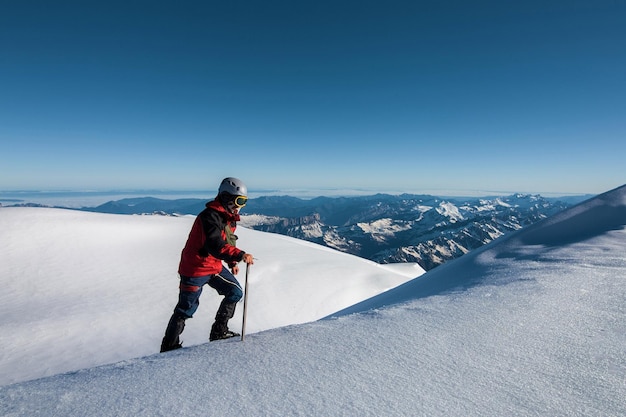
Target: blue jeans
{"x": 224, "y": 283}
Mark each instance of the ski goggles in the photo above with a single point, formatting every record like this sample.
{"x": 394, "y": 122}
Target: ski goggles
{"x": 240, "y": 200}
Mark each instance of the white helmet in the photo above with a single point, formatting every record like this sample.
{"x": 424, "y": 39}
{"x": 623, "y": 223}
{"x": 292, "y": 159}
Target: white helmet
{"x": 233, "y": 186}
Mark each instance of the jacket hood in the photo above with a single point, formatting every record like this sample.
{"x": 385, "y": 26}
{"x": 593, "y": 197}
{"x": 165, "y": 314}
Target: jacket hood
{"x": 217, "y": 206}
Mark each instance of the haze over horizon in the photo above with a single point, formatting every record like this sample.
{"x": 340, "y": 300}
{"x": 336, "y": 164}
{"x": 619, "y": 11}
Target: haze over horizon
{"x": 401, "y": 96}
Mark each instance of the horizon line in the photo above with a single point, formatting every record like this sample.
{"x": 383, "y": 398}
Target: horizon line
{"x": 311, "y": 192}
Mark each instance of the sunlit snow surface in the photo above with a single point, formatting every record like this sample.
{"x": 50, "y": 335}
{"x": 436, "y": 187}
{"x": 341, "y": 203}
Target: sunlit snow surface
{"x": 532, "y": 324}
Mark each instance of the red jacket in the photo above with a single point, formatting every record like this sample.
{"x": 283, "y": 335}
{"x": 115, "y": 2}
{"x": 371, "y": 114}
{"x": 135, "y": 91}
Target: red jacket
{"x": 206, "y": 245}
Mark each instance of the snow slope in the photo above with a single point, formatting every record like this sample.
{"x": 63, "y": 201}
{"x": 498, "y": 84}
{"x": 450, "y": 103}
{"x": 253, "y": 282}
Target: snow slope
{"x": 89, "y": 289}
{"x": 533, "y": 324}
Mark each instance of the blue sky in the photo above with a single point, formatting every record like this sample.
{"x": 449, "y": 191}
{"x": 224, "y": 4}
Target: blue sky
{"x": 415, "y": 96}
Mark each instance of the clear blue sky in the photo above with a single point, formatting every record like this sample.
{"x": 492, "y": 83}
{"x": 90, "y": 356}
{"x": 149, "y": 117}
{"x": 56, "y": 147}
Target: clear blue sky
{"x": 525, "y": 96}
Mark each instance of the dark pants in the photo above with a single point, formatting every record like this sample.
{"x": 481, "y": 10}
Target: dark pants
{"x": 224, "y": 283}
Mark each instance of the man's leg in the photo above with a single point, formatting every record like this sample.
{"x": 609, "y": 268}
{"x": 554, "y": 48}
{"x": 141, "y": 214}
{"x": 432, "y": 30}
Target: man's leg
{"x": 174, "y": 328}
{"x": 188, "y": 302}
{"x": 227, "y": 285}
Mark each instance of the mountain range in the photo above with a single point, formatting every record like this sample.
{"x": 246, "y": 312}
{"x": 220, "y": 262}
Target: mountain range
{"x": 425, "y": 229}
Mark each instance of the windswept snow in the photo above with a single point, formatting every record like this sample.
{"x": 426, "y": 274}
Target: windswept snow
{"x": 90, "y": 289}
{"x": 532, "y": 324}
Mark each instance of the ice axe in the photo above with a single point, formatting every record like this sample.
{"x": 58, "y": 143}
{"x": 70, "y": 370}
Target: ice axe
{"x": 245, "y": 303}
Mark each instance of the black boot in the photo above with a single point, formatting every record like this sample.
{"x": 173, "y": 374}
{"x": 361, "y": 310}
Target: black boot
{"x": 224, "y": 335}
{"x": 171, "y": 339}
{"x": 219, "y": 330}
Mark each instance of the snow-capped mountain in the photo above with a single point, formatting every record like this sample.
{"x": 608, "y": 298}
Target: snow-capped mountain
{"x": 408, "y": 228}
{"x": 426, "y": 229}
